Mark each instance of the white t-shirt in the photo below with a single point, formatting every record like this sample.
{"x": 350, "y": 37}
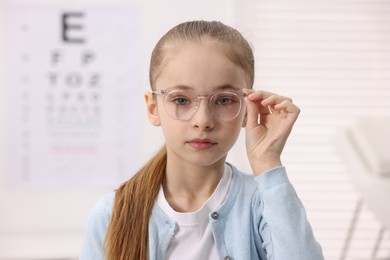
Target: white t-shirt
{"x": 194, "y": 238}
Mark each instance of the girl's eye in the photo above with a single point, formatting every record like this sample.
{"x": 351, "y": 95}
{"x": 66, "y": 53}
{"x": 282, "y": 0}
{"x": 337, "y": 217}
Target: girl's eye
{"x": 224, "y": 101}
{"x": 181, "y": 101}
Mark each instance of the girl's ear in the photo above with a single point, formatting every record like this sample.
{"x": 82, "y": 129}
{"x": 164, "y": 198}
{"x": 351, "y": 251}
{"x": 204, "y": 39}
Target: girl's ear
{"x": 151, "y": 108}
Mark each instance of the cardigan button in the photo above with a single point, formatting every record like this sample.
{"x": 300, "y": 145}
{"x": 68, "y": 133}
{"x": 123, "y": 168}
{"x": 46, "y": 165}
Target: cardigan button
{"x": 215, "y": 215}
{"x": 228, "y": 258}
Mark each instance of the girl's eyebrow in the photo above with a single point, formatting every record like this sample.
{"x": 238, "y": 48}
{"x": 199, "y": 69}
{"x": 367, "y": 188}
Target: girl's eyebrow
{"x": 182, "y": 87}
{"x": 227, "y": 87}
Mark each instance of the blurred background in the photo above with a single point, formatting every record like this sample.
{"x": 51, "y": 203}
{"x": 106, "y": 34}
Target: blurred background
{"x": 73, "y": 125}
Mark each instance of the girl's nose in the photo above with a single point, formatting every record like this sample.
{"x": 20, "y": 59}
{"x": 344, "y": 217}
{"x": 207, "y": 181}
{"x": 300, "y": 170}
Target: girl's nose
{"x": 203, "y": 117}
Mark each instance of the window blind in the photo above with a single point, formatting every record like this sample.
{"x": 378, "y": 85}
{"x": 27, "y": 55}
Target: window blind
{"x": 333, "y": 59}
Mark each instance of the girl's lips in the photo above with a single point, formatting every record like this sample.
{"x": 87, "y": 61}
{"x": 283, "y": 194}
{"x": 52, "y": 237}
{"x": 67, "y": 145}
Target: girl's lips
{"x": 201, "y": 143}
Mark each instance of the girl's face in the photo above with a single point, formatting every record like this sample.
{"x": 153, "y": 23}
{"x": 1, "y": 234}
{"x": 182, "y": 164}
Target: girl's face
{"x": 202, "y": 68}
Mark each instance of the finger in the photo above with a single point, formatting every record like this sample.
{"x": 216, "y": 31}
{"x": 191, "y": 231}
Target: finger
{"x": 287, "y": 110}
{"x": 248, "y": 91}
{"x": 274, "y": 100}
{"x": 287, "y": 106}
{"x": 252, "y": 114}
{"x": 267, "y": 99}
{"x": 258, "y": 95}
{"x": 255, "y": 95}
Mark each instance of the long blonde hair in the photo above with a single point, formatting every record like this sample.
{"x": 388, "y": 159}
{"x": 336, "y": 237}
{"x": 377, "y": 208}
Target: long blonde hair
{"x": 127, "y": 232}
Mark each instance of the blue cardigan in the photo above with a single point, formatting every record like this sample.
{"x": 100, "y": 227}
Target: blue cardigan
{"x": 261, "y": 218}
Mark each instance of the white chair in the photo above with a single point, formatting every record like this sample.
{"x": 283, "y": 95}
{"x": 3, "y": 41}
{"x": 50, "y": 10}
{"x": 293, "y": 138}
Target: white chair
{"x": 365, "y": 149}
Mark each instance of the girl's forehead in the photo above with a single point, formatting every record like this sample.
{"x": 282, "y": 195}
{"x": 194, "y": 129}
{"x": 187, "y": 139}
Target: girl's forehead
{"x": 203, "y": 76}
{"x": 198, "y": 63}
{"x": 193, "y": 54}
{"x": 177, "y": 46}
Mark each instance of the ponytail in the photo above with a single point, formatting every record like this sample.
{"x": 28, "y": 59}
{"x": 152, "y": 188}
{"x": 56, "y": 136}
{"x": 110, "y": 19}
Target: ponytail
{"x": 127, "y": 232}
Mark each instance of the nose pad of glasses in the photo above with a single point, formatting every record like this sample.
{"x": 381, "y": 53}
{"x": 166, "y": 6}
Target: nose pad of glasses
{"x": 198, "y": 104}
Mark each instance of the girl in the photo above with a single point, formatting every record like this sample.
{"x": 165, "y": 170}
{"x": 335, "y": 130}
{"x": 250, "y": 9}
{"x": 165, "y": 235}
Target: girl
{"x": 187, "y": 202}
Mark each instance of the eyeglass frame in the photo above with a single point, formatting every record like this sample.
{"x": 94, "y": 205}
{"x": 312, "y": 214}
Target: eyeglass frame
{"x": 165, "y": 92}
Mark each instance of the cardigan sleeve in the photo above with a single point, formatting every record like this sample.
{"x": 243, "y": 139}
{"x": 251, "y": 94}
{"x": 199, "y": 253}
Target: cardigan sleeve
{"x": 93, "y": 244}
{"x": 284, "y": 227}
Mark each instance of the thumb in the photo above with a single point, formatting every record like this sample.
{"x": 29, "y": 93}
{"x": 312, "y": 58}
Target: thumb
{"x": 252, "y": 114}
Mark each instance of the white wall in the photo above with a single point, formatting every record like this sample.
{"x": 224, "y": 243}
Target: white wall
{"x": 333, "y": 59}
{"x": 49, "y": 223}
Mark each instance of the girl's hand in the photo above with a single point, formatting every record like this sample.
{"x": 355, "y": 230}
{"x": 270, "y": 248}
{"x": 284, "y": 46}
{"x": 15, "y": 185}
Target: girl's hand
{"x": 270, "y": 118}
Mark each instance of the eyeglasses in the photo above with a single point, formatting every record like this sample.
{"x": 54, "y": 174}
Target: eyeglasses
{"x": 182, "y": 104}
